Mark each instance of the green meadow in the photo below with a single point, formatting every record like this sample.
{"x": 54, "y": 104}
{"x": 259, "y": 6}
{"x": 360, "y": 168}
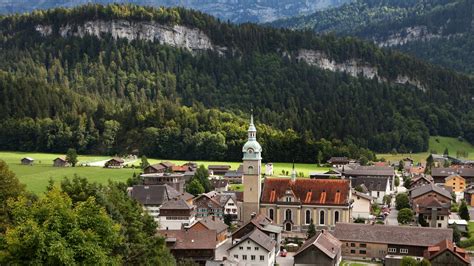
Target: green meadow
{"x": 36, "y": 177}
{"x": 437, "y": 144}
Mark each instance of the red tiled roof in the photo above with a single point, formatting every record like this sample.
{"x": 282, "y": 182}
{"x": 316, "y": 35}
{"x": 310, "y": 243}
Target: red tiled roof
{"x": 446, "y": 245}
{"x": 308, "y": 191}
{"x": 177, "y": 168}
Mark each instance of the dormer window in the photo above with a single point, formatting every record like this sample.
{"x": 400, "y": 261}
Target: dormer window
{"x": 289, "y": 199}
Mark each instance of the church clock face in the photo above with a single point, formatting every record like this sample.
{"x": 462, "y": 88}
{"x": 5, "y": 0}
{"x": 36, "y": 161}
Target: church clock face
{"x": 250, "y": 151}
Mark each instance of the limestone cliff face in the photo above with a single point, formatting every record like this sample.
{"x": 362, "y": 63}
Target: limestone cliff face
{"x": 176, "y": 36}
{"x": 194, "y": 40}
{"x": 352, "y": 67}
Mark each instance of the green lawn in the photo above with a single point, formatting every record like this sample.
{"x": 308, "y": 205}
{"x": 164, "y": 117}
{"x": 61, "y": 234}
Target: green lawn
{"x": 36, "y": 177}
{"x": 438, "y": 144}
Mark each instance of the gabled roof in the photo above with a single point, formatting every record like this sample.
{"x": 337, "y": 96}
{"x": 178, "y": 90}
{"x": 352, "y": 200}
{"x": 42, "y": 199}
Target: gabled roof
{"x": 62, "y": 158}
{"x": 259, "y": 238}
{"x": 28, "y": 158}
{"x": 219, "y": 183}
{"x": 190, "y": 239}
{"x": 213, "y": 224}
{"x": 261, "y": 222}
{"x": 368, "y": 171}
{"x": 425, "y": 205}
{"x": 153, "y": 194}
{"x": 390, "y": 234}
{"x": 307, "y": 191}
{"x": 443, "y": 246}
{"x": 157, "y": 166}
{"x": 323, "y": 241}
{"x": 454, "y": 176}
{"x": 176, "y": 204}
{"x": 167, "y": 164}
{"x": 428, "y": 179}
{"x": 444, "y": 172}
{"x": 120, "y": 160}
{"x": 220, "y": 167}
{"x": 372, "y": 183}
{"x": 338, "y": 160}
{"x": 362, "y": 195}
{"x": 419, "y": 191}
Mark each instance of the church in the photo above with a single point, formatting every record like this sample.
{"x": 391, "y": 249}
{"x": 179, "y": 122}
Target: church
{"x": 292, "y": 202}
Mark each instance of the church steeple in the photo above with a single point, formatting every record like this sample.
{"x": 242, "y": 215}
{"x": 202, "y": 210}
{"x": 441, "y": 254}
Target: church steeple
{"x": 252, "y": 131}
{"x": 293, "y": 173}
{"x": 252, "y": 149}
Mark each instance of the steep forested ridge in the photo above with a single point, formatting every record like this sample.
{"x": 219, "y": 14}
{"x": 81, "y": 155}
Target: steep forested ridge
{"x": 238, "y": 11}
{"x": 440, "y": 31}
{"x": 115, "y": 96}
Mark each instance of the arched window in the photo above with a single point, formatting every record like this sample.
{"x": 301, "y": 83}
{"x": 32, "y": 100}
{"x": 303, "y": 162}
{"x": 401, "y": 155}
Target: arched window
{"x": 250, "y": 170}
{"x": 336, "y": 217}
{"x": 288, "y": 215}
{"x": 321, "y": 217}
{"x": 308, "y": 217}
{"x": 270, "y": 213}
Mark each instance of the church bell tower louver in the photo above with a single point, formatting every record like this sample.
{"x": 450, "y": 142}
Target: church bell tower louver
{"x": 252, "y": 165}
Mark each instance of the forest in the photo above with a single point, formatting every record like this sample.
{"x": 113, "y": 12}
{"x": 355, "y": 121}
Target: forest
{"x": 114, "y": 96}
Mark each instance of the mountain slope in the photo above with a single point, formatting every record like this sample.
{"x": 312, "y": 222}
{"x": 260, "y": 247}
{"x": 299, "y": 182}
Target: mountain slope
{"x": 439, "y": 31}
{"x": 128, "y": 70}
{"x": 234, "y": 10}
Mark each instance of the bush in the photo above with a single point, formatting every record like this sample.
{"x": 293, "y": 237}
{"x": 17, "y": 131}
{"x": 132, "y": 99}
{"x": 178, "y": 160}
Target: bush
{"x": 405, "y": 216}
{"x": 402, "y": 201}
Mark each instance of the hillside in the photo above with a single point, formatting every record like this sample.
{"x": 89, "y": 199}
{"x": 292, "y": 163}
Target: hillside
{"x": 174, "y": 83}
{"x": 237, "y": 11}
{"x": 439, "y": 31}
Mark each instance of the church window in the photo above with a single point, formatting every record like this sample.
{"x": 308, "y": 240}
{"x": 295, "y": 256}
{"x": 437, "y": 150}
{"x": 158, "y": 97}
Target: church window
{"x": 321, "y": 217}
{"x": 270, "y": 213}
{"x": 336, "y": 217}
{"x": 250, "y": 170}
{"x": 308, "y": 217}
{"x": 288, "y": 214}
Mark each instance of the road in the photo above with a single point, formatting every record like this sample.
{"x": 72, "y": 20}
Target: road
{"x": 286, "y": 261}
{"x": 392, "y": 217}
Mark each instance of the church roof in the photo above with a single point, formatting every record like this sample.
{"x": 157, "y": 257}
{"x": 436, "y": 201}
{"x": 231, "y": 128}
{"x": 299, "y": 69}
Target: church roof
{"x": 307, "y": 191}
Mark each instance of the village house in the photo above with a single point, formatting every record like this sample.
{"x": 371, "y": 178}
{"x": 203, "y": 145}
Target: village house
{"x": 421, "y": 181}
{"x": 439, "y": 174}
{"x": 326, "y": 175}
{"x": 262, "y": 223}
{"x": 269, "y": 169}
{"x": 195, "y": 245}
{"x": 469, "y": 195}
{"x": 377, "y": 186}
{"x": 27, "y": 161}
{"x": 433, "y": 203}
{"x": 219, "y": 170}
{"x": 229, "y": 203}
{"x": 175, "y": 180}
{"x": 338, "y": 162}
{"x": 373, "y": 241}
{"x": 294, "y": 203}
{"x": 219, "y": 185}
{"x": 457, "y": 183}
{"x": 114, "y": 163}
{"x": 446, "y": 253}
{"x": 323, "y": 249}
{"x": 176, "y": 214}
{"x": 255, "y": 248}
{"x": 206, "y": 206}
{"x": 212, "y": 224}
{"x": 60, "y": 162}
{"x": 152, "y": 197}
{"x": 349, "y": 171}
{"x": 159, "y": 168}
{"x": 361, "y": 205}
{"x": 234, "y": 176}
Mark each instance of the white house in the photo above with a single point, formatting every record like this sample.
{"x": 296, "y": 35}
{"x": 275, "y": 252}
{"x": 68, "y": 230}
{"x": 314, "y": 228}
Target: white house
{"x": 361, "y": 205}
{"x": 375, "y": 186}
{"x": 269, "y": 169}
{"x": 255, "y": 248}
{"x": 176, "y": 214}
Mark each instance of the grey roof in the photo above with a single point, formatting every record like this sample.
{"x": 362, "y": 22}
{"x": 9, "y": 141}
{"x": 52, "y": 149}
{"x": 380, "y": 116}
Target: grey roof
{"x": 233, "y": 174}
{"x": 444, "y": 172}
{"x": 176, "y": 204}
{"x": 219, "y": 166}
{"x": 153, "y": 194}
{"x": 218, "y": 183}
{"x": 427, "y": 188}
{"x": 259, "y": 238}
{"x": 28, "y": 158}
{"x": 214, "y": 224}
{"x": 390, "y": 234}
{"x": 338, "y": 160}
{"x": 325, "y": 242}
{"x": 362, "y": 195}
{"x": 368, "y": 171}
{"x": 372, "y": 183}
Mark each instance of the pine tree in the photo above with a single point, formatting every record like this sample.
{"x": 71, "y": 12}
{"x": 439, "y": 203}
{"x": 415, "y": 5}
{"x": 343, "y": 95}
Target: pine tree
{"x": 311, "y": 230}
{"x": 464, "y": 211}
{"x": 71, "y": 157}
{"x": 144, "y": 164}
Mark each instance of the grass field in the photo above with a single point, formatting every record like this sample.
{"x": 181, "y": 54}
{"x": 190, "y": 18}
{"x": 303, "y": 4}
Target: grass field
{"x": 36, "y": 177}
{"x": 437, "y": 144}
